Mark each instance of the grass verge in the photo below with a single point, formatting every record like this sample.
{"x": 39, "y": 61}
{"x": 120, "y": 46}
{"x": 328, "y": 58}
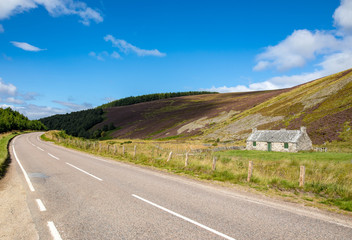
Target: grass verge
{"x": 4, "y": 152}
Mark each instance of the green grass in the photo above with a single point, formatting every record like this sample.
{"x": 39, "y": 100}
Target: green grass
{"x": 276, "y": 156}
{"x": 4, "y": 154}
{"x": 328, "y": 175}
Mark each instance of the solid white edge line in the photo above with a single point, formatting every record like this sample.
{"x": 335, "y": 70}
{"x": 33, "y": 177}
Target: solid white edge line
{"x": 24, "y": 171}
{"x": 40, "y": 205}
{"x": 53, "y": 156}
{"x": 184, "y": 218}
{"x": 40, "y": 149}
{"x": 84, "y": 171}
{"x": 54, "y": 233}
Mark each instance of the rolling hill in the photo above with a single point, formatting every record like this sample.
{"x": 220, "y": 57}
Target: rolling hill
{"x": 324, "y": 106}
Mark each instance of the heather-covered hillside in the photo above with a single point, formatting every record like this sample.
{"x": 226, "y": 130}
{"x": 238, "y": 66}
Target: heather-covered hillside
{"x": 324, "y": 106}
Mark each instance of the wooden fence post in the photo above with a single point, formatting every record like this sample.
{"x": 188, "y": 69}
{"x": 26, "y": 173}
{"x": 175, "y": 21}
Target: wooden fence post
{"x": 169, "y": 158}
{"x": 214, "y": 163}
{"x": 99, "y": 147}
{"x": 115, "y": 149}
{"x": 108, "y": 148}
{"x": 134, "y": 151}
{"x": 123, "y": 149}
{"x": 302, "y": 175}
{"x": 186, "y": 160}
{"x": 250, "y": 171}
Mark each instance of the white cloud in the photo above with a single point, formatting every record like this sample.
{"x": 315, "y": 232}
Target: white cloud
{"x": 10, "y": 97}
{"x": 242, "y": 88}
{"x": 73, "y": 106}
{"x": 126, "y": 48}
{"x": 343, "y": 15}
{"x": 35, "y": 112}
{"x": 7, "y": 89}
{"x": 6, "y": 57}
{"x": 100, "y": 56}
{"x": 7, "y": 106}
{"x": 298, "y": 48}
{"x": 261, "y": 65}
{"x": 9, "y": 8}
{"x": 26, "y": 46}
{"x": 29, "y": 96}
{"x": 2, "y": 28}
{"x": 54, "y": 7}
{"x": 13, "y": 100}
{"x": 332, "y": 64}
{"x": 103, "y": 55}
{"x": 115, "y": 55}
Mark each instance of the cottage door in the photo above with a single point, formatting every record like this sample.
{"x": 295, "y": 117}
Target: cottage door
{"x": 269, "y": 146}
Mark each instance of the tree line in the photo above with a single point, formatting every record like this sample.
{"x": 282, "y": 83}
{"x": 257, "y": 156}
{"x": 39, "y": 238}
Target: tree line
{"x": 151, "y": 97}
{"x": 13, "y": 120}
{"x": 77, "y": 124}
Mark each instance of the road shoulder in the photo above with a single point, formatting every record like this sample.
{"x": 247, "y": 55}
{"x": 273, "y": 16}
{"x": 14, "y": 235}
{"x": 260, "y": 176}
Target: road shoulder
{"x": 15, "y": 218}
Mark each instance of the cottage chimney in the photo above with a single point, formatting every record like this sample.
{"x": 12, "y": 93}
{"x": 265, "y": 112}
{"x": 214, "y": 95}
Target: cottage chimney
{"x": 303, "y": 129}
{"x": 254, "y": 130}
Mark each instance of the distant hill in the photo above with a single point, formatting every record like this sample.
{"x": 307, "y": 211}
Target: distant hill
{"x": 13, "y": 120}
{"x": 324, "y": 106}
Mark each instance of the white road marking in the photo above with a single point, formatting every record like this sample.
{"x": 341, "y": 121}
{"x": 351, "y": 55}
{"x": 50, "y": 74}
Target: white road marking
{"x": 40, "y": 205}
{"x": 30, "y": 142}
{"x": 84, "y": 171}
{"x": 40, "y": 149}
{"x": 54, "y": 233}
{"x": 53, "y": 156}
{"x": 185, "y": 218}
{"x": 24, "y": 171}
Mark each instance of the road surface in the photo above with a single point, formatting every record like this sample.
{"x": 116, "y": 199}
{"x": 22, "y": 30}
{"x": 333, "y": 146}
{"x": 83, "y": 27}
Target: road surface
{"x": 73, "y": 195}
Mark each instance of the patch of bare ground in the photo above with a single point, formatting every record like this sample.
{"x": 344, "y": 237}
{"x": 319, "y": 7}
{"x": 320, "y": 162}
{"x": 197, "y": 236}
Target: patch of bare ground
{"x": 240, "y": 129}
{"x": 15, "y": 219}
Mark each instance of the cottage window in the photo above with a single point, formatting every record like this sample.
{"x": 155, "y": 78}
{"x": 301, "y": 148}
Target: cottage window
{"x": 286, "y": 145}
{"x": 254, "y": 144}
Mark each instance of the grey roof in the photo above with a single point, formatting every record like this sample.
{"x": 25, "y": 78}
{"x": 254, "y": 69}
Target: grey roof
{"x": 291, "y": 136}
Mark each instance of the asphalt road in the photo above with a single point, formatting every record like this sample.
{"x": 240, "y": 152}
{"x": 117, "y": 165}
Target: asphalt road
{"x": 73, "y": 195}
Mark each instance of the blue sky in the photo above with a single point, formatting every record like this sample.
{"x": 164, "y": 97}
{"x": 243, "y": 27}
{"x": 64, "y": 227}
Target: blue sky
{"x": 58, "y": 56}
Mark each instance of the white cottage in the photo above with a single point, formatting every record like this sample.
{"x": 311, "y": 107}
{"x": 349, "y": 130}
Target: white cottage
{"x": 279, "y": 140}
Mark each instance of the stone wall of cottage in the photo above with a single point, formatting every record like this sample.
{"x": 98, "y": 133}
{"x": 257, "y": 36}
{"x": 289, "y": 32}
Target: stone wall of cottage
{"x": 304, "y": 143}
{"x": 275, "y": 147}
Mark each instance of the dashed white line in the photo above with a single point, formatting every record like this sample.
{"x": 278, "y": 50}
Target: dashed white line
{"x": 53, "y": 156}
{"x": 30, "y": 142}
{"x": 40, "y": 205}
{"x": 24, "y": 171}
{"x": 54, "y": 232}
{"x": 185, "y": 218}
{"x": 40, "y": 149}
{"x": 84, "y": 171}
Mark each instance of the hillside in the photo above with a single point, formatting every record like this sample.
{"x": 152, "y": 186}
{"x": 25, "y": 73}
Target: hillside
{"x": 324, "y": 106}
{"x": 181, "y": 116}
